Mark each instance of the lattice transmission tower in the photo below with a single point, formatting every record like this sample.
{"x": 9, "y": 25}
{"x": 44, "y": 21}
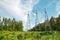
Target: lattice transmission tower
{"x": 47, "y": 24}
{"x": 28, "y": 21}
{"x": 36, "y": 21}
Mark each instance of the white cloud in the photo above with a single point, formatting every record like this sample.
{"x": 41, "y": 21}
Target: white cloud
{"x": 18, "y": 9}
{"x": 58, "y": 8}
{"x": 54, "y": 1}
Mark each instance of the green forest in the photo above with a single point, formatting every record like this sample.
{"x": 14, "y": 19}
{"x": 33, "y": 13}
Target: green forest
{"x": 10, "y": 29}
{"x": 49, "y": 25}
{"x": 11, "y": 25}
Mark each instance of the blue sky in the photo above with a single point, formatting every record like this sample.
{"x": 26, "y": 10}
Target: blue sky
{"x": 19, "y": 9}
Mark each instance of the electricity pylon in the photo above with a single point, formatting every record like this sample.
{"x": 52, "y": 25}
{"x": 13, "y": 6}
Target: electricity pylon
{"x": 36, "y": 21}
{"x": 28, "y": 21}
{"x": 47, "y": 24}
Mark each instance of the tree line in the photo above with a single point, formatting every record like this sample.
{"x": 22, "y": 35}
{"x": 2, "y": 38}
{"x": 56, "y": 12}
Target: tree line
{"x": 11, "y": 24}
{"x": 53, "y": 25}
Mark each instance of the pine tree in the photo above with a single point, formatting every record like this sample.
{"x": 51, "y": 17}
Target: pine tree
{"x": 53, "y": 23}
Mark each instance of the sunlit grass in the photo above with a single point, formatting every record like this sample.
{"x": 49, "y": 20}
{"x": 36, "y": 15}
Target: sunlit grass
{"x": 14, "y": 35}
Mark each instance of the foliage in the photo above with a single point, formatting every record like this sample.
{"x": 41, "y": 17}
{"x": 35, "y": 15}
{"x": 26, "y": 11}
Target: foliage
{"x": 7, "y": 35}
{"x": 11, "y": 25}
{"x": 53, "y": 24}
